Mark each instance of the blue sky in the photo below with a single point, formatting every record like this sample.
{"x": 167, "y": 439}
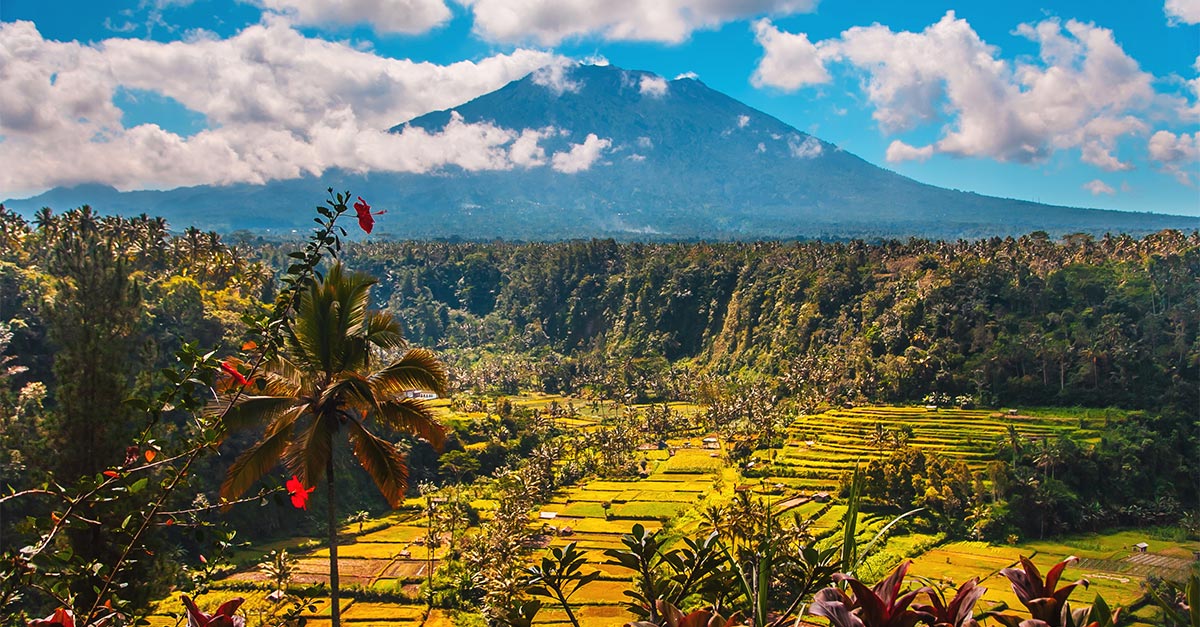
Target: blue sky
{"x": 1076, "y": 103}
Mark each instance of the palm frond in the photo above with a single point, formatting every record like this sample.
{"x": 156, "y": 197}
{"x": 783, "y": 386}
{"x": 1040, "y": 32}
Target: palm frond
{"x": 251, "y": 410}
{"x": 411, "y": 415}
{"x": 283, "y": 373}
{"x": 383, "y": 330}
{"x": 310, "y": 450}
{"x": 418, "y": 369}
{"x": 381, "y": 460}
{"x": 257, "y": 461}
{"x": 351, "y": 388}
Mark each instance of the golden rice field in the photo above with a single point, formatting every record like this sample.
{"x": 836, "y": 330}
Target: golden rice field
{"x": 388, "y": 554}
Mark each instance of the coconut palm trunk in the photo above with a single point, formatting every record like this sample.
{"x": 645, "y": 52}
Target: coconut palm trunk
{"x": 324, "y": 384}
{"x": 335, "y": 609}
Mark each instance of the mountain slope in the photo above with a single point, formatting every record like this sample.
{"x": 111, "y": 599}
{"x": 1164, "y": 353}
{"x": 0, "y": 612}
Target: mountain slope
{"x": 683, "y": 161}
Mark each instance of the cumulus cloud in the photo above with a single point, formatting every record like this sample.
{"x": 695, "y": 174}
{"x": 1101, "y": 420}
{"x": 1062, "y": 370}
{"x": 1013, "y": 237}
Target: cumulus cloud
{"x": 808, "y": 148}
{"x": 1082, "y": 92}
{"x": 742, "y": 121}
{"x": 653, "y": 86}
{"x": 790, "y": 61}
{"x": 686, "y": 75}
{"x": 899, "y": 151}
{"x": 277, "y": 105}
{"x": 1177, "y": 154}
{"x": 581, "y": 156}
{"x": 1097, "y": 187}
{"x": 556, "y": 77}
{"x": 526, "y": 150}
{"x": 385, "y": 16}
{"x": 1182, "y": 11}
{"x": 548, "y": 22}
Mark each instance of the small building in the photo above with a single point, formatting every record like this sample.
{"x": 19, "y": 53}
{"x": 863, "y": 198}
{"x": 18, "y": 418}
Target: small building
{"x": 711, "y": 443}
{"x": 421, "y": 395}
{"x": 547, "y": 515}
{"x": 821, "y": 497}
{"x": 1012, "y": 412}
{"x": 1141, "y": 547}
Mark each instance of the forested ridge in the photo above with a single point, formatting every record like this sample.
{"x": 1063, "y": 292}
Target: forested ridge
{"x": 1080, "y": 321}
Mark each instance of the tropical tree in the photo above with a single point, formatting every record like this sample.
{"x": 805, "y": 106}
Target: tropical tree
{"x": 324, "y": 383}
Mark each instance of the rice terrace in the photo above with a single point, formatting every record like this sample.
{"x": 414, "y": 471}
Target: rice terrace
{"x": 581, "y": 313}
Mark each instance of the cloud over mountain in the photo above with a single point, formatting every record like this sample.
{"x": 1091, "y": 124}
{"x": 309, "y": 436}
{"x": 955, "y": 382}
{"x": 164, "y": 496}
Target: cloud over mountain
{"x": 276, "y": 104}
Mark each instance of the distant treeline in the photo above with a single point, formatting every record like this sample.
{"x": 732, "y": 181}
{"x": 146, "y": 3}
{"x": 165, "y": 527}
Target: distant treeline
{"x": 1078, "y": 321}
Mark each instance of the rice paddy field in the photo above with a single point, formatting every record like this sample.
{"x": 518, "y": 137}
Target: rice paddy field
{"x": 821, "y": 448}
{"x": 388, "y": 554}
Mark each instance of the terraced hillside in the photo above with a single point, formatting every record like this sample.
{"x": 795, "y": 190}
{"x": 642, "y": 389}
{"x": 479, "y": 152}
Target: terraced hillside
{"x": 385, "y": 561}
{"x": 821, "y": 448}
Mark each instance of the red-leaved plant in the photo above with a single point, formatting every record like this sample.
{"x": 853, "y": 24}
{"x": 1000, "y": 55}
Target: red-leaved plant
{"x": 674, "y": 617}
{"x": 960, "y": 611}
{"x": 1047, "y": 604}
{"x": 880, "y": 606}
{"x": 224, "y": 616}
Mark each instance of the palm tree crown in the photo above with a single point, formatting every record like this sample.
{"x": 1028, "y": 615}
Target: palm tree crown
{"x": 324, "y": 383}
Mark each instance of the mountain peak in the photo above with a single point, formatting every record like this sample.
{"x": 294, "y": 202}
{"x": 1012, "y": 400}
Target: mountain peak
{"x": 627, "y": 153}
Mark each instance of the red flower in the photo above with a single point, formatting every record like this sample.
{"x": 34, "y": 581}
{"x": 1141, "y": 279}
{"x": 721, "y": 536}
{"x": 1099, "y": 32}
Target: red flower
{"x": 223, "y": 617}
{"x": 60, "y": 618}
{"x": 366, "y": 219}
{"x": 298, "y": 492}
{"x": 235, "y": 373}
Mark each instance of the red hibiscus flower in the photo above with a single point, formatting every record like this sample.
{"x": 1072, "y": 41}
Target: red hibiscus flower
{"x": 366, "y": 219}
{"x": 60, "y": 618}
{"x": 235, "y": 373}
{"x": 299, "y": 493}
{"x": 223, "y": 617}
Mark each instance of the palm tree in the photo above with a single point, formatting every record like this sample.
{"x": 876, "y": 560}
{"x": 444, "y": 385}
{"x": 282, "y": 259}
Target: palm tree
{"x": 324, "y": 383}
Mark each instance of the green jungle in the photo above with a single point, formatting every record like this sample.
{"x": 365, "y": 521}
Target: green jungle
{"x": 230, "y": 431}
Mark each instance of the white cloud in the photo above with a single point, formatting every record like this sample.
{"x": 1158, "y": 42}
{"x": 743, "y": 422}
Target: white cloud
{"x": 653, "y": 86}
{"x": 385, "y": 16}
{"x": 742, "y": 121}
{"x": 526, "y": 151}
{"x": 1082, "y": 92}
{"x": 1182, "y": 12}
{"x": 761, "y": 147}
{"x": 548, "y": 22}
{"x": 810, "y": 148}
{"x": 687, "y": 75}
{"x": 1177, "y": 154}
{"x": 645, "y": 142}
{"x": 1097, "y": 187}
{"x": 267, "y": 117}
{"x": 581, "y": 156}
{"x": 556, "y": 77}
{"x": 899, "y": 151}
{"x": 791, "y": 60}
{"x": 636, "y": 157}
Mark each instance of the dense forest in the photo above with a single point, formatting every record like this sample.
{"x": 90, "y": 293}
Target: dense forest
{"x": 1081, "y": 321}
